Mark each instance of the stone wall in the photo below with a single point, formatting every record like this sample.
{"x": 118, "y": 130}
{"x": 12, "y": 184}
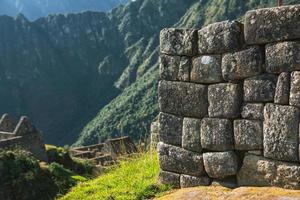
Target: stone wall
{"x": 229, "y": 99}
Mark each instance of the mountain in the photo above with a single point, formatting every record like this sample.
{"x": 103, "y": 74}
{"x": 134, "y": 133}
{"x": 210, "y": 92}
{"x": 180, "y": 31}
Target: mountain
{"x": 34, "y": 9}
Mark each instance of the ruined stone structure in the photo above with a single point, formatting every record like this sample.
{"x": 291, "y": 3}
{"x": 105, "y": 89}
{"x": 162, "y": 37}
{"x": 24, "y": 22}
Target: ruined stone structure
{"x": 154, "y": 135}
{"x": 23, "y": 136}
{"x": 229, "y": 99}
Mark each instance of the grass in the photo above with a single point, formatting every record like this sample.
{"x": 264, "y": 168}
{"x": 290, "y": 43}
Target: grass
{"x": 134, "y": 179}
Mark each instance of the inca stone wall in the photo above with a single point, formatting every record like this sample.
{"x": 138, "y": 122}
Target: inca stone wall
{"x": 229, "y": 99}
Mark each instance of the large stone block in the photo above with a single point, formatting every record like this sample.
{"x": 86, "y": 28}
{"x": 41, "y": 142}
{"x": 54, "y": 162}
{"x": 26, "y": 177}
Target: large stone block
{"x": 260, "y": 171}
{"x": 282, "y": 91}
{"x": 220, "y": 164}
{"x": 283, "y": 57}
{"x": 248, "y": 134}
{"x": 253, "y": 111}
{"x": 281, "y": 132}
{"x": 183, "y": 99}
{"x": 242, "y": 64}
{"x": 178, "y": 41}
{"x": 191, "y": 134}
{"x": 224, "y": 100}
{"x": 260, "y": 88}
{"x": 207, "y": 69}
{"x": 220, "y": 37}
{"x": 192, "y": 181}
{"x": 178, "y": 160}
{"x": 295, "y": 89}
{"x": 174, "y": 68}
{"x": 217, "y": 134}
{"x": 169, "y": 178}
{"x": 272, "y": 24}
{"x": 170, "y": 129}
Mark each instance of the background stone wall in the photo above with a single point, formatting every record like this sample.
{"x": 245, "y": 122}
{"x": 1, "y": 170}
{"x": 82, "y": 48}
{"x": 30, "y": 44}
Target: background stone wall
{"x": 229, "y": 97}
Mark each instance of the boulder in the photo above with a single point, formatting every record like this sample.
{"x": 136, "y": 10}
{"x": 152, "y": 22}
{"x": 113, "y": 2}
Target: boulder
{"x": 242, "y": 64}
{"x": 295, "y": 89}
{"x": 282, "y": 91}
{"x": 169, "y": 178}
{"x": 281, "y": 132}
{"x": 191, "y": 134}
{"x": 272, "y": 24}
{"x": 183, "y": 99}
{"x": 217, "y": 134}
{"x": 220, "y": 37}
{"x": 220, "y": 164}
{"x": 174, "y": 68}
{"x": 207, "y": 69}
{"x": 192, "y": 181}
{"x": 253, "y": 111}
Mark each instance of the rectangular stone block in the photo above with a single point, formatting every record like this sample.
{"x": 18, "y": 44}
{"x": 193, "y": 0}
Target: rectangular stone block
{"x": 192, "y": 181}
{"x": 191, "y": 134}
{"x": 260, "y": 88}
{"x": 174, "y": 68}
{"x": 183, "y": 99}
{"x": 282, "y": 92}
{"x": 253, "y": 111}
{"x": 283, "y": 57}
{"x": 224, "y": 100}
{"x": 295, "y": 89}
{"x": 170, "y": 129}
{"x": 248, "y": 134}
{"x": 242, "y": 64}
{"x": 217, "y": 134}
{"x": 221, "y": 37}
{"x": 178, "y": 41}
{"x": 169, "y": 178}
{"x": 281, "y": 132}
{"x": 178, "y": 160}
{"x": 207, "y": 69}
{"x": 272, "y": 24}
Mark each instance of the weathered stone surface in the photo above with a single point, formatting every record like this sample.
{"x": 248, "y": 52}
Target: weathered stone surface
{"x": 217, "y": 134}
{"x": 228, "y": 182}
{"x": 220, "y": 37}
{"x": 281, "y": 132}
{"x": 170, "y": 129}
{"x": 224, "y": 100}
{"x": 179, "y": 160}
{"x": 191, "y": 134}
{"x": 6, "y": 124}
{"x": 220, "y": 164}
{"x": 242, "y": 64}
{"x": 260, "y": 88}
{"x": 183, "y": 99}
{"x": 174, "y": 68}
{"x": 282, "y": 91}
{"x": 272, "y": 24}
{"x": 248, "y": 134}
{"x": 207, "y": 69}
{"x": 192, "y": 181}
{"x": 178, "y": 41}
{"x": 256, "y": 152}
{"x": 283, "y": 57}
{"x": 295, "y": 89}
{"x": 260, "y": 171}
{"x": 253, "y": 111}
{"x": 169, "y": 178}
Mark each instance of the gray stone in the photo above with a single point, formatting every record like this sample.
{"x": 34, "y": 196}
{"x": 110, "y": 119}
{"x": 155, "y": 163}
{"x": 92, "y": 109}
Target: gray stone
{"x": 295, "y": 89}
{"x": 283, "y": 57}
{"x": 183, "y": 99}
{"x": 192, "y": 181}
{"x": 220, "y": 164}
{"x": 224, "y": 100}
{"x": 253, "y": 111}
{"x": 178, "y": 41}
{"x": 220, "y": 37}
{"x": 154, "y": 127}
{"x": 272, "y": 24}
{"x": 242, "y": 64}
{"x": 191, "y": 134}
{"x": 248, "y": 134}
{"x": 179, "y": 160}
{"x": 256, "y": 152}
{"x": 6, "y": 124}
{"x": 282, "y": 91}
{"x": 260, "y": 171}
{"x": 217, "y": 134}
{"x": 281, "y": 132}
{"x": 169, "y": 178}
{"x": 174, "y": 68}
{"x": 170, "y": 129}
{"x": 260, "y": 88}
{"x": 229, "y": 182}
{"x": 207, "y": 69}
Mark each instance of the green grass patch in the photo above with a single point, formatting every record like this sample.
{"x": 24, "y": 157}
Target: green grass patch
{"x": 134, "y": 179}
